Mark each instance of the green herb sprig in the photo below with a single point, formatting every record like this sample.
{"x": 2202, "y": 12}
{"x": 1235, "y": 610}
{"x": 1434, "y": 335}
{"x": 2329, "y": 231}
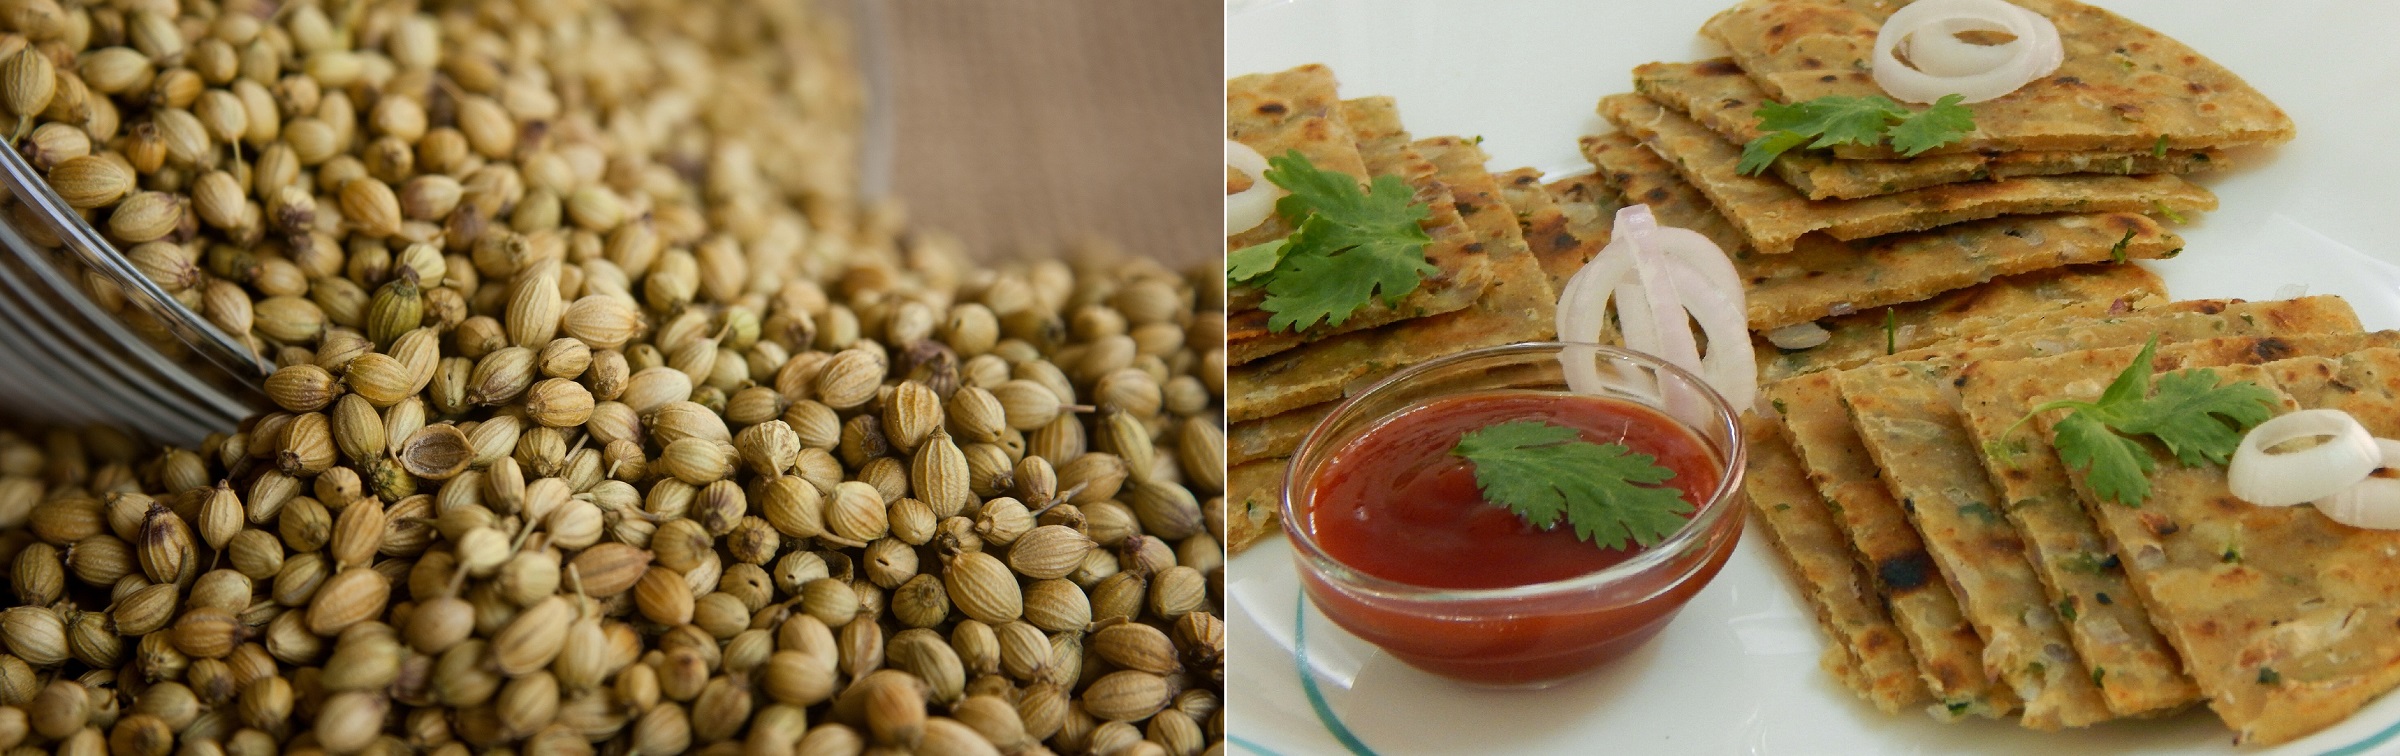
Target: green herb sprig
{"x": 1546, "y": 472}
{"x": 1348, "y": 247}
{"x": 1834, "y": 120}
{"x": 2198, "y": 421}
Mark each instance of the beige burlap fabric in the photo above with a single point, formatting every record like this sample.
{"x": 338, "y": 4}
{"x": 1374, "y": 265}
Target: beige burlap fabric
{"x": 1020, "y": 125}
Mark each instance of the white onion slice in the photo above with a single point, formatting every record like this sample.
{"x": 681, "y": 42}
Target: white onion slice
{"x": 1245, "y": 209}
{"x": 1660, "y": 280}
{"x": 1729, "y": 366}
{"x": 1946, "y": 65}
{"x": 1799, "y": 336}
{"x": 2270, "y": 479}
{"x": 2370, "y": 503}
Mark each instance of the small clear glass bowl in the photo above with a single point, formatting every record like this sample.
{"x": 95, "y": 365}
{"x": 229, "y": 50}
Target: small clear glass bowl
{"x": 1540, "y": 634}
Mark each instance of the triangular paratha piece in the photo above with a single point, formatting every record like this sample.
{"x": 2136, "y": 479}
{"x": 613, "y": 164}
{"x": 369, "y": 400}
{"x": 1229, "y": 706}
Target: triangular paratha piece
{"x": 2011, "y": 303}
{"x": 1773, "y": 217}
{"x": 2123, "y": 86}
{"x": 1518, "y": 306}
{"x": 1907, "y": 411}
{"x": 1822, "y": 277}
{"x": 1868, "y": 652}
{"x": 2287, "y": 619}
{"x": 1716, "y": 94}
{"x": 1463, "y": 263}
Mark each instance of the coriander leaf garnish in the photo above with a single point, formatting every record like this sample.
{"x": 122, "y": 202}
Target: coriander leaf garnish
{"x": 1544, "y": 472}
{"x": 1761, "y": 152}
{"x": 2116, "y": 254}
{"x": 1348, "y": 247}
{"x": 2196, "y": 419}
{"x": 1254, "y": 260}
{"x": 1945, "y": 122}
{"x": 1835, "y": 120}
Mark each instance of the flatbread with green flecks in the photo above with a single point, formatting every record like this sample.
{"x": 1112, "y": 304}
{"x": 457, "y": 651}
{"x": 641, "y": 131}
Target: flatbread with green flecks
{"x": 2285, "y": 618}
{"x": 2008, "y": 303}
{"x": 1867, "y": 652}
{"x": 1718, "y": 95}
{"x": 1822, "y": 276}
{"x": 1948, "y": 652}
{"x": 2122, "y": 87}
{"x": 1773, "y": 217}
{"x": 1519, "y": 305}
{"x": 1458, "y": 253}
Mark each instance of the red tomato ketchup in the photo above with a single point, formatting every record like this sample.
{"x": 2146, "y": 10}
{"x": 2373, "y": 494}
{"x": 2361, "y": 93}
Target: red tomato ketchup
{"x": 1396, "y": 505}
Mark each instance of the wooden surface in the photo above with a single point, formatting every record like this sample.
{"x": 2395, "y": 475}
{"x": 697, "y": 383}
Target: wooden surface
{"x": 1023, "y": 125}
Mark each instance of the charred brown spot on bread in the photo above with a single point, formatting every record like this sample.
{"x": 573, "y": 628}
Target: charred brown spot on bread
{"x": 1272, "y": 108}
{"x": 2158, "y": 524}
{"x": 2210, "y": 307}
{"x": 1656, "y": 194}
{"x": 1829, "y": 78}
{"x": 2271, "y": 348}
{"x": 1566, "y": 240}
{"x": 1906, "y": 572}
{"x": 1717, "y": 67}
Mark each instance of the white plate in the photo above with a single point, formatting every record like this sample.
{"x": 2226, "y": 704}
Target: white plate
{"x": 1737, "y": 672}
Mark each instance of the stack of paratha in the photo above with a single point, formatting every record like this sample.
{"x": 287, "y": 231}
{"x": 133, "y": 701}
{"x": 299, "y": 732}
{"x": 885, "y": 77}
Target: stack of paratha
{"x": 2073, "y": 168}
{"x": 1955, "y": 563}
{"x": 1494, "y": 236}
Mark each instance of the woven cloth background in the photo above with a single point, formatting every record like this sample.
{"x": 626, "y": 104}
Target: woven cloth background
{"x": 1022, "y": 125}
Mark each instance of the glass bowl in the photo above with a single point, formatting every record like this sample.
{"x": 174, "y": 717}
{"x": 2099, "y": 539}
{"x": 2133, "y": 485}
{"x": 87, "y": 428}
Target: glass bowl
{"x": 1539, "y": 634}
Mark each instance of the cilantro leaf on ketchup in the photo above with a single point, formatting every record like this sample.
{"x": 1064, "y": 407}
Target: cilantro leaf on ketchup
{"x": 1546, "y": 472}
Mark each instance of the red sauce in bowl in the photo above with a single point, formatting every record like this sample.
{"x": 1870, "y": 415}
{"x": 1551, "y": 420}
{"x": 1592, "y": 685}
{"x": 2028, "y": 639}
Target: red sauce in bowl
{"x": 1396, "y": 504}
{"x": 1393, "y": 503}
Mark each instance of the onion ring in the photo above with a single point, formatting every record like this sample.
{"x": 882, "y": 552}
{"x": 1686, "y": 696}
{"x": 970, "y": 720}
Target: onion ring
{"x": 1946, "y": 65}
{"x": 1247, "y": 208}
{"x": 1660, "y": 280}
{"x": 2370, "y": 503}
{"x": 2270, "y": 479}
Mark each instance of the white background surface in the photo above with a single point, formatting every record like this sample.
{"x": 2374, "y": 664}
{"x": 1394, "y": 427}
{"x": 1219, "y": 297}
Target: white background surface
{"x": 1737, "y": 672}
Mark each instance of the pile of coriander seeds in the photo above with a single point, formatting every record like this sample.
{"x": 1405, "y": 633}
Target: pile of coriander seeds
{"x": 607, "y": 419}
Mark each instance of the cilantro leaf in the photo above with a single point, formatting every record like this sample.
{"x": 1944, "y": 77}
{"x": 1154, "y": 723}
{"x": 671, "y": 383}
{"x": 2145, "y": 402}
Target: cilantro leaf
{"x": 1311, "y": 285}
{"x": 1254, "y": 260}
{"x": 2119, "y": 468}
{"x": 1945, "y": 122}
{"x": 1761, "y": 152}
{"x": 2196, "y": 419}
{"x": 1836, "y": 120}
{"x": 1544, "y": 472}
{"x": 1833, "y": 120}
{"x": 1349, "y": 246}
